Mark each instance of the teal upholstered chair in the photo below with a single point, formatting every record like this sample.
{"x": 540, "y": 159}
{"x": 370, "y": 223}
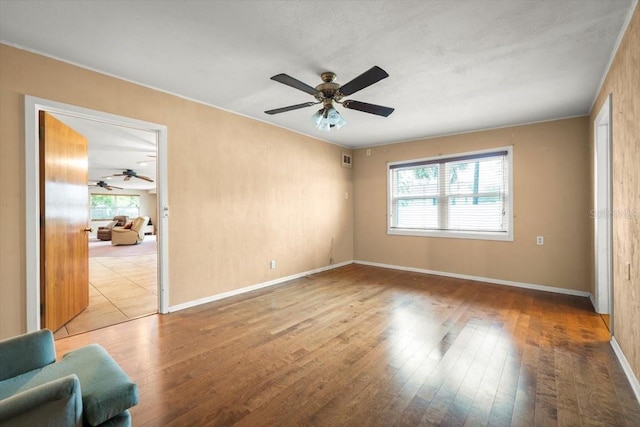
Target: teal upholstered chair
{"x": 85, "y": 387}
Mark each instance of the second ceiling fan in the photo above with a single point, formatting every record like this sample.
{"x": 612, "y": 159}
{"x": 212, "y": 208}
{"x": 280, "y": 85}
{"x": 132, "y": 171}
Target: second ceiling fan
{"x": 105, "y": 185}
{"x": 328, "y": 92}
{"x": 130, "y": 173}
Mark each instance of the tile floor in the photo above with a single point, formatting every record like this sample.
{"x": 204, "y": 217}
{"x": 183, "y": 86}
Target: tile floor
{"x": 120, "y": 289}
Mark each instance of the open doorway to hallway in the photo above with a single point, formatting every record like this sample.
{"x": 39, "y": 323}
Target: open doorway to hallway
{"x": 144, "y": 270}
{"x": 121, "y": 184}
{"x": 602, "y": 215}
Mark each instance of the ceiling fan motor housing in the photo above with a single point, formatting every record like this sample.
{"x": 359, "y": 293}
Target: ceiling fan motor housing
{"x": 329, "y": 89}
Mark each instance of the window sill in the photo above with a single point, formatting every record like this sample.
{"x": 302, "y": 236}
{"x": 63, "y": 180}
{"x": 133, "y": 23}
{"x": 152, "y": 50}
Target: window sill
{"x": 471, "y": 235}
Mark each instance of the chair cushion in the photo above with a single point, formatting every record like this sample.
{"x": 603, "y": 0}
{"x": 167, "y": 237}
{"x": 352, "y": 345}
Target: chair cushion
{"x": 138, "y": 223}
{"x": 55, "y": 403}
{"x": 121, "y": 219}
{"x": 25, "y": 353}
{"x": 110, "y": 225}
{"x": 106, "y": 389}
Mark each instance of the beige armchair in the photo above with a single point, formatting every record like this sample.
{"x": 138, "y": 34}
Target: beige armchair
{"x": 130, "y": 236}
{"x": 104, "y": 232}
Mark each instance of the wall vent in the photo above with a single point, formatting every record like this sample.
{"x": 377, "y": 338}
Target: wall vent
{"x": 346, "y": 160}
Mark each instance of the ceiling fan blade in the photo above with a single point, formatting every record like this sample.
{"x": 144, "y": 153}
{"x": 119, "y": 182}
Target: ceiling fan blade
{"x": 126, "y": 178}
{"x": 368, "y": 108}
{"x": 146, "y": 178}
{"x": 108, "y": 188}
{"x": 294, "y": 83}
{"x": 369, "y": 77}
{"x": 291, "y": 107}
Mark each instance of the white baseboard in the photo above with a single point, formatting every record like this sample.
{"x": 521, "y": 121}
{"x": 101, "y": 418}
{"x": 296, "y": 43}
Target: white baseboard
{"x": 633, "y": 381}
{"x": 223, "y": 295}
{"x": 480, "y": 279}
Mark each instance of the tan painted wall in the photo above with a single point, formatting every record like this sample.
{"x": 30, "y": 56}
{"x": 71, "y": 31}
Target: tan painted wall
{"x": 552, "y": 196}
{"x": 623, "y": 83}
{"x": 241, "y": 192}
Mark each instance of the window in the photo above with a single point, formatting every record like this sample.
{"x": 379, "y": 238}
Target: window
{"x": 466, "y": 195}
{"x": 106, "y": 206}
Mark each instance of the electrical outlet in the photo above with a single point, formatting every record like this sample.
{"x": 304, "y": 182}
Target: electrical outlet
{"x": 540, "y": 240}
{"x": 368, "y": 151}
{"x": 272, "y": 264}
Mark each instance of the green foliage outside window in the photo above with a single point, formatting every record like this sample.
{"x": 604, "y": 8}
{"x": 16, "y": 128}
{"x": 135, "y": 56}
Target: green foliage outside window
{"x": 465, "y": 194}
{"x": 106, "y": 206}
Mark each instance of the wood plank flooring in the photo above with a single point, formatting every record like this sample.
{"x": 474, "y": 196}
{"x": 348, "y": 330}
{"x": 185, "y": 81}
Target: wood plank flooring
{"x": 365, "y": 346}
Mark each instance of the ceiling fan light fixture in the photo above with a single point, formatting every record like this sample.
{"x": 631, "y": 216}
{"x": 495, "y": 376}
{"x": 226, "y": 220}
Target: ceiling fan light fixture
{"x": 317, "y": 117}
{"x": 335, "y": 119}
{"x": 324, "y": 125}
{"x": 327, "y": 118}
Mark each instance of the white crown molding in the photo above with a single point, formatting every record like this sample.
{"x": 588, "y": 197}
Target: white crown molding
{"x": 614, "y": 52}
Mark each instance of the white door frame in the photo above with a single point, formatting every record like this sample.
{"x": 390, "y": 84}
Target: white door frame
{"x": 603, "y": 209}
{"x": 32, "y": 186}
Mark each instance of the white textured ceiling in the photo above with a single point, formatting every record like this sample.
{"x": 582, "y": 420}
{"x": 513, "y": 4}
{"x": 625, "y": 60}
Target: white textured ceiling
{"x": 454, "y": 66}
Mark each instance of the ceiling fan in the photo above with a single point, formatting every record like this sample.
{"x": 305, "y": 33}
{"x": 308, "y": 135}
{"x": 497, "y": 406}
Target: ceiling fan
{"x": 103, "y": 184}
{"x": 328, "y": 92}
{"x": 130, "y": 173}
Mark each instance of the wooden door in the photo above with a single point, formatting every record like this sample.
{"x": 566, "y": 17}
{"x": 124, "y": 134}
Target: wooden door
{"x": 64, "y": 216}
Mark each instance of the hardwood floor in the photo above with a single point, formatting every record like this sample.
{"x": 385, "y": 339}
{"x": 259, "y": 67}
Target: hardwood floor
{"x": 365, "y": 346}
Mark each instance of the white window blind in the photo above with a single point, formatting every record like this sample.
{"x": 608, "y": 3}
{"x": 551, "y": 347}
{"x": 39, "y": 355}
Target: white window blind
{"x": 463, "y": 193}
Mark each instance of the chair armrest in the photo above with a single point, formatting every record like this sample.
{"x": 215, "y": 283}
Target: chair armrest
{"x": 25, "y": 353}
{"x": 57, "y": 402}
{"x": 124, "y": 237}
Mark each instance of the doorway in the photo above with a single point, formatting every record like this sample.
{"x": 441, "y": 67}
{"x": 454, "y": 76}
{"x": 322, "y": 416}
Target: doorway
{"x": 32, "y": 108}
{"x": 603, "y": 212}
{"x": 123, "y": 278}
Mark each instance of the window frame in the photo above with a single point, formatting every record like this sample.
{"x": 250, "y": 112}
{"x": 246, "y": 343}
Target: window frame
{"x": 507, "y": 235}
{"x": 115, "y": 196}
